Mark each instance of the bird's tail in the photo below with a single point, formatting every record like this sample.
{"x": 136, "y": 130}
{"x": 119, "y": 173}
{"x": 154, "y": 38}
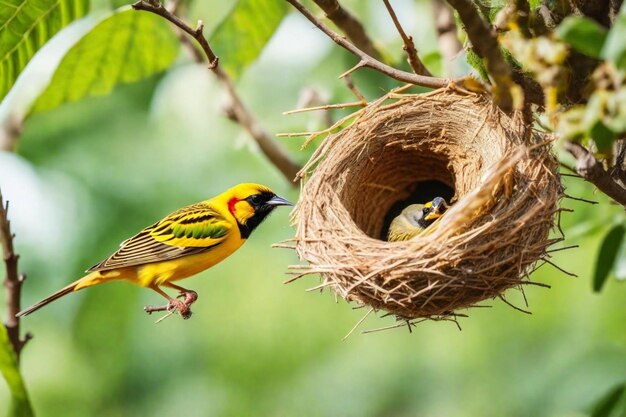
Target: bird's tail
{"x": 86, "y": 281}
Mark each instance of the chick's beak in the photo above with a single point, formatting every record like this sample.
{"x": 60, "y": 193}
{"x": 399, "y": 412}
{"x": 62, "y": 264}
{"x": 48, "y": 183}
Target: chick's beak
{"x": 438, "y": 208}
{"x": 278, "y": 201}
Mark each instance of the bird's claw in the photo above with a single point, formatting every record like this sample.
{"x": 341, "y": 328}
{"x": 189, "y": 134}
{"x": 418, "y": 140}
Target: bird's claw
{"x": 182, "y": 308}
{"x": 189, "y": 296}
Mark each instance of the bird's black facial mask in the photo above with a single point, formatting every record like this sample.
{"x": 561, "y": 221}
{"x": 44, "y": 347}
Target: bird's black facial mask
{"x": 263, "y": 204}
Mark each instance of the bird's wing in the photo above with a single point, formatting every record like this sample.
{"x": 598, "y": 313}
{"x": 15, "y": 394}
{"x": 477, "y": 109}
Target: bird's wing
{"x": 401, "y": 229}
{"x": 188, "y": 231}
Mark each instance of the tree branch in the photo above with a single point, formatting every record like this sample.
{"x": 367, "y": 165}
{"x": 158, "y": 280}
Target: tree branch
{"x": 485, "y": 43}
{"x": 366, "y": 60}
{"x": 155, "y": 7}
{"x": 12, "y": 281}
{"x": 592, "y": 170}
{"x": 449, "y": 44}
{"x": 349, "y": 25}
{"x": 409, "y": 47}
{"x": 238, "y": 112}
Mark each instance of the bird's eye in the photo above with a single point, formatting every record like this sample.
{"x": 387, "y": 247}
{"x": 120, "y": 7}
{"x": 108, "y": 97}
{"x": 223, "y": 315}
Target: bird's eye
{"x": 255, "y": 199}
{"x": 425, "y": 210}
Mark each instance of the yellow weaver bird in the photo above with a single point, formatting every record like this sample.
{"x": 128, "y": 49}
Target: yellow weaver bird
{"x": 183, "y": 244}
{"x": 415, "y": 218}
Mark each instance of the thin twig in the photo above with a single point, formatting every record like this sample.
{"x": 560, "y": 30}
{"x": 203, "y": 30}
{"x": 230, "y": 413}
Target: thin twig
{"x": 409, "y": 47}
{"x": 358, "y": 323}
{"x": 366, "y": 60}
{"x": 571, "y": 274}
{"x": 355, "y": 90}
{"x": 12, "y": 282}
{"x": 500, "y": 296}
{"x": 485, "y": 43}
{"x": 349, "y": 25}
{"x": 237, "y": 110}
{"x": 588, "y": 167}
{"x": 325, "y": 107}
{"x": 197, "y": 33}
{"x": 584, "y": 200}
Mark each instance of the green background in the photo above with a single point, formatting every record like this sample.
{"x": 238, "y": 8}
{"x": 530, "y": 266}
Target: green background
{"x": 88, "y": 175}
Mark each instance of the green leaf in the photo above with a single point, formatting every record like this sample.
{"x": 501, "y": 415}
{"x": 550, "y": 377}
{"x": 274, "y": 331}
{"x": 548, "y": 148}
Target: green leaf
{"x": 127, "y": 46}
{"x": 609, "y": 402}
{"x": 608, "y": 253}
{"x": 243, "y": 34}
{"x": 25, "y": 26}
{"x": 584, "y": 34}
{"x": 615, "y": 48}
{"x": 602, "y": 136}
{"x": 20, "y": 404}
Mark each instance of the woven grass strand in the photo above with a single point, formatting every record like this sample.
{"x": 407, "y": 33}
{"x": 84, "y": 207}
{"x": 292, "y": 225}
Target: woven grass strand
{"x": 506, "y": 193}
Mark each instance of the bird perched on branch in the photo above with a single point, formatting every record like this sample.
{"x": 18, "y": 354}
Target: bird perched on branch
{"x": 415, "y": 218}
{"x": 184, "y": 243}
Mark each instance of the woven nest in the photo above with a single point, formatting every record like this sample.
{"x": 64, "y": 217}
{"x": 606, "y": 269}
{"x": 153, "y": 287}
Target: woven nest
{"x": 505, "y": 191}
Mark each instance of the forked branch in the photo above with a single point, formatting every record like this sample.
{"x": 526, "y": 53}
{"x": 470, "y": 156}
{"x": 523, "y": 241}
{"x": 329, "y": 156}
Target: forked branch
{"x": 409, "y": 47}
{"x": 588, "y": 167}
{"x": 366, "y": 60}
{"x": 349, "y": 25}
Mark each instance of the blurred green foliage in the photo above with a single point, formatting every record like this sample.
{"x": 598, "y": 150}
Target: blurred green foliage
{"x": 242, "y": 35}
{"x": 125, "y": 47}
{"x": 20, "y": 405}
{"x": 583, "y": 34}
{"x": 255, "y": 347}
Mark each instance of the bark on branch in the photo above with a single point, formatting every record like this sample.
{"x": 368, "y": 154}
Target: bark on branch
{"x": 349, "y": 25}
{"x": 588, "y": 167}
{"x": 237, "y": 111}
{"x": 485, "y": 43}
{"x": 368, "y": 61}
{"x": 12, "y": 281}
{"x": 409, "y": 47}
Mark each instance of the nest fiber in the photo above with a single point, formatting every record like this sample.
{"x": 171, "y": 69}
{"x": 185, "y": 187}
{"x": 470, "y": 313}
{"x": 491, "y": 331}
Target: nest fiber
{"x": 506, "y": 190}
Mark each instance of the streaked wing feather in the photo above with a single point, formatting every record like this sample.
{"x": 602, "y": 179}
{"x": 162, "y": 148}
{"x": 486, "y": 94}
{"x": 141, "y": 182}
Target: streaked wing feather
{"x": 188, "y": 231}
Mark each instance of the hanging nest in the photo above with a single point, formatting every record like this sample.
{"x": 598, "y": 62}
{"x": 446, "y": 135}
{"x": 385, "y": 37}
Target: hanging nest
{"x": 505, "y": 193}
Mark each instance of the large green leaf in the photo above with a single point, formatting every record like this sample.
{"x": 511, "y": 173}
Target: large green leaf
{"x": 584, "y": 34}
{"x": 25, "y": 26}
{"x": 607, "y": 256}
{"x": 127, "y": 46}
{"x": 242, "y": 35}
{"x": 20, "y": 404}
{"x": 615, "y": 48}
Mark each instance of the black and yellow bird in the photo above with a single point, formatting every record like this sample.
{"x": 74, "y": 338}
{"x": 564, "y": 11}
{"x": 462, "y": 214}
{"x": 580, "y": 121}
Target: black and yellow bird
{"x": 415, "y": 218}
{"x": 180, "y": 245}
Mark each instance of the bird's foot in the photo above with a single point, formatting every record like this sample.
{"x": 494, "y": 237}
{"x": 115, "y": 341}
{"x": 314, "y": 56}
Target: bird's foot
{"x": 173, "y": 306}
{"x": 190, "y": 297}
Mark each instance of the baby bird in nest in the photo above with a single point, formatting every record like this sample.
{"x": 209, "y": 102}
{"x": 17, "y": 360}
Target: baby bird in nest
{"x": 415, "y": 218}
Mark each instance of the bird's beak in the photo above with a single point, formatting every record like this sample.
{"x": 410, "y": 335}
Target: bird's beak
{"x": 278, "y": 201}
{"x": 438, "y": 208}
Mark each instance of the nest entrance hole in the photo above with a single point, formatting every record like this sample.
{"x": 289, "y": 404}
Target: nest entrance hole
{"x": 420, "y": 192}
{"x": 383, "y": 185}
